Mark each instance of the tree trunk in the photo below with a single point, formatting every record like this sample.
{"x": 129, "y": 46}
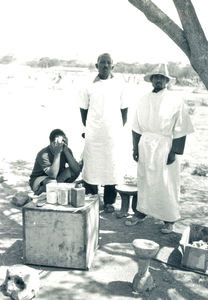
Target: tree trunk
{"x": 190, "y": 39}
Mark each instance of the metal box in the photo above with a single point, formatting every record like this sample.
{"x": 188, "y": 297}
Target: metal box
{"x": 194, "y": 257}
{"x": 61, "y": 236}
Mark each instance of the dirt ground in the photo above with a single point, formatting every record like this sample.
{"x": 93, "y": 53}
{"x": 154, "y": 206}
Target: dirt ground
{"x": 114, "y": 265}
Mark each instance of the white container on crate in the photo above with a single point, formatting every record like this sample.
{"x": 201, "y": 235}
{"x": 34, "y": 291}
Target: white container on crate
{"x": 51, "y": 192}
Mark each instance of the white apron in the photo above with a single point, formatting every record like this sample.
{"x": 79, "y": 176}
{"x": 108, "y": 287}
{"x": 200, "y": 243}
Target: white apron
{"x": 158, "y": 183}
{"x": 102, "y": 154}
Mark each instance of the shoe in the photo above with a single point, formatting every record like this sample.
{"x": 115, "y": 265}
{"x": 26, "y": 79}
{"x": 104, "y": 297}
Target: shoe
{"x": 36, "y": 198}
{"x": 121, "y": 214}
{"x": 108, "y": 208}
{"x": 168, "y": 228}
{"x": 40, "y": 203}
{"x": 133, "y": 221}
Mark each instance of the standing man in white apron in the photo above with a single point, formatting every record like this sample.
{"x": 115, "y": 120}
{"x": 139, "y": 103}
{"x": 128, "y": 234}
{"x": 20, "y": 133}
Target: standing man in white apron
{"x": 104, "y": 112}
{"x": 160, "y": 127}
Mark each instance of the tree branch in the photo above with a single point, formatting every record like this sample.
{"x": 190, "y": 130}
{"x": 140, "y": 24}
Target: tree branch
{"x": 161, "y": 20}
{"x": 192, "y": 27}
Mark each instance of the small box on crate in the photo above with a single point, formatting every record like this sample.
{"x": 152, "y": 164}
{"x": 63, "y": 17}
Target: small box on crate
{"x": 78, "y": 196}
{"x": 194, "y": 244}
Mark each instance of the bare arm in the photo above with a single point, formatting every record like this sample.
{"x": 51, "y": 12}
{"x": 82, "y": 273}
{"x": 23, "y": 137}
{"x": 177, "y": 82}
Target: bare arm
{"x": 53, "y": 170}
{"x": 84, "y": 115}
{"x": 178, "y": 146}
{"x": 135, "y": 138}
{"x": 73, "y": 164}
{"x": 124, "y": 113}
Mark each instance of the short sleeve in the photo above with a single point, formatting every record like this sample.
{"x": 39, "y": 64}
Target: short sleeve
{"x": 135, "y": 124}
{"x": 183, "y": 124}
{"x": 43, "y": 161}
{"x": 84, "y": 98}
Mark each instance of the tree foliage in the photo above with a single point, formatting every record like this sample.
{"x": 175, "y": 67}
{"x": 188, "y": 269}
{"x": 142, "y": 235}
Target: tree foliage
{"x": 46, "y": 62}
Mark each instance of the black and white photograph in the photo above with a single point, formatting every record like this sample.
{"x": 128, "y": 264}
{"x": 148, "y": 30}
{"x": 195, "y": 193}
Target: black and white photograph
{"x": 103, "y": 156}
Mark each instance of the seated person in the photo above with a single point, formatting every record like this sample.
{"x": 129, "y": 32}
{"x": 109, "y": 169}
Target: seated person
{"x": 50, "y": 163}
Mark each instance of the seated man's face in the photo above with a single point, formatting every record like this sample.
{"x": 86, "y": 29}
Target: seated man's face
{"x": 58, "y": 139}
{"x": 58, "y": 143}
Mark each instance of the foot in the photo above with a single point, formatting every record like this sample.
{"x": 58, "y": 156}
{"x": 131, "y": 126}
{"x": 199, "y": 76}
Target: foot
{"x": 168, "y": 228}
{"x": 35, "y": 197}
{"x": 133, "y": 221}
{"x": 101, "y": 206}
{"x": 40, "y": 203}
{"x": 108, "y": 208}
{"x": 41, "y": 189}
{"x": 121, "y": 214}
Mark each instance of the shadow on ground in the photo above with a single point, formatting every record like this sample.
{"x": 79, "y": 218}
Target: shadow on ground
{"x": 114, "y": 266}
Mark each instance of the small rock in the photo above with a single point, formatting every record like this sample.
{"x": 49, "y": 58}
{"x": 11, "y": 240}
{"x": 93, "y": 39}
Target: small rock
{"x": 20, "y": 199}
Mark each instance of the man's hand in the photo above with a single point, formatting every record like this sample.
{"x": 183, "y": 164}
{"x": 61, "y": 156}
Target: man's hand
{"x": 65, "y": 144}
{"x": 65, "y": 141}
{"x": 57, "y": 147}
{"x": 136, "y": 156}
{"x": 171, "y": 158}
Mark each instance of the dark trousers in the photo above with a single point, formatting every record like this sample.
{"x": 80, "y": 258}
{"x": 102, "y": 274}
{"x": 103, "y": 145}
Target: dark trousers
{"x": 109, "y": 192}
{"x": 134, "y": 204}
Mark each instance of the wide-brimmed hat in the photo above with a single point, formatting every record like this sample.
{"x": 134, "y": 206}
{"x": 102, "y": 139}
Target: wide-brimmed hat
{"x": 160, "y": 69}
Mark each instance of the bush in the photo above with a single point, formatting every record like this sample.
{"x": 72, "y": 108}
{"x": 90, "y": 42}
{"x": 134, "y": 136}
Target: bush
{"x": 185, "y": 165}
{"x": 7, "y": 59}
{"x": 204, "y": 102}
{"x": 184, "y": 74}
{"x": 201, "y": 170}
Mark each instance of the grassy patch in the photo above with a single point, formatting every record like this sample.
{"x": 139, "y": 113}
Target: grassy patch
{"x": 200, "y": 170}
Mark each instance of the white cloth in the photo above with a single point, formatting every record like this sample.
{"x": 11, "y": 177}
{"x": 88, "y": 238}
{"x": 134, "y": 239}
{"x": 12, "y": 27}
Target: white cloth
{"x": 104, "y": 100}
{"x": 159, "y": 118}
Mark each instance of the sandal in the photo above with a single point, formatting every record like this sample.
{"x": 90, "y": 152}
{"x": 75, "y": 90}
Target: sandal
{"x": 168, "y": 228}
{"x": 133, "y": 221}
{"x": 108, "y": 208}
{"x": 121, "y": 214}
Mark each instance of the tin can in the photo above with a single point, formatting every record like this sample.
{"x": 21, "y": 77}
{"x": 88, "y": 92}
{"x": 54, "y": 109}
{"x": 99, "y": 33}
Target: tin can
{"x": 51, "y": 192}
{"x": 63, "y": 196}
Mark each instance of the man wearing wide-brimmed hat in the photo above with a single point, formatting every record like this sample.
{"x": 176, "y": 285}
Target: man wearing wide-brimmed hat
{"x": 160, "y": 126}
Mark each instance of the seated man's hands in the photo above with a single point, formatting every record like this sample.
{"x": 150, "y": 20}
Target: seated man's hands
{"x": 65, "y": 141}
{"x": 60, "y": 144}
{"x": 171, "y": 158}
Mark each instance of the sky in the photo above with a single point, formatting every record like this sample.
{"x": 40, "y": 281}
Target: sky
{"x": 83, "y": 29}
